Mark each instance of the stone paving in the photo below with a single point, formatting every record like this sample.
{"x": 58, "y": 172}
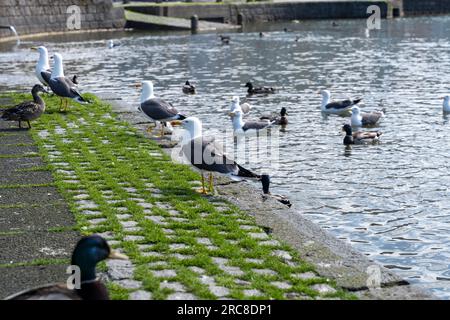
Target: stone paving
{"x": 181, "y": 245}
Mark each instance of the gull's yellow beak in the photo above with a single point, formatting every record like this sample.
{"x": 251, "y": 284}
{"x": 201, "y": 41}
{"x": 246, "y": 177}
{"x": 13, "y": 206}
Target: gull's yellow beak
{"x": 176, "y": 123}
{"x": 116, "y": 255}
{"x": 34, "y": 48}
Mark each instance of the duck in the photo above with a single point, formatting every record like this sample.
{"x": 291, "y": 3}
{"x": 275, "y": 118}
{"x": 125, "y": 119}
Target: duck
{"x": 359, "y": 137}
{"x": 224, "y": 39}
{"x": 446, "y": 104}
{"x": 204, "y": 153}
{"x": 62, "y": 86}
{"x": 265, "y": 181}
{"x": 364, "y": 119}
{"x": 235, "y": 105}
{"x": 261, "y": 34}
{"x": 156, "y": 109}
{"x": 248, "y": 127}
{"x": 189, "y": 88}
{"x": 258, "y": 90}
{"x": 88, "y": 252}
{"x": 336, "y": 107}
{"x": 28, "y": 110}
{"x": 279, "y": 119}
{"x": 43, "y": 71}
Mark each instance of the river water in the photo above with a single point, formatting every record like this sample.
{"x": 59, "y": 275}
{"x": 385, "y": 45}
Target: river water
{"x": 390, "y": 201}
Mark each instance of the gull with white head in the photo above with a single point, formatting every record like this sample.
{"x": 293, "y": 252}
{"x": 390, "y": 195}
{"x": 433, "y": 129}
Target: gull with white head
{"x": 248, "y": 127}
{"x": 157, "y": 109}
{"x": 365, "y": 119}
{"x": 336, "y": 107}
{"x": 206, "y": 154}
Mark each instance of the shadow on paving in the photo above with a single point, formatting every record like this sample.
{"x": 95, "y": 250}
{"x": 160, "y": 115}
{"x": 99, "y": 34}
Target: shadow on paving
{"x": 29, "y": 215}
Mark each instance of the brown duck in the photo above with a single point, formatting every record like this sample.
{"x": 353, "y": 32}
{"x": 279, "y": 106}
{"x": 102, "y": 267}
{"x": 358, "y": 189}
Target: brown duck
{"x": 27, "y": 111}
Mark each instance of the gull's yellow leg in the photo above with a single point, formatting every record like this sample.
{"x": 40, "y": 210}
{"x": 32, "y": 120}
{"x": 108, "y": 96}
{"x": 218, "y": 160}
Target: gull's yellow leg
{"x": 211, "y": 187}
{"x": 203, "y": 189}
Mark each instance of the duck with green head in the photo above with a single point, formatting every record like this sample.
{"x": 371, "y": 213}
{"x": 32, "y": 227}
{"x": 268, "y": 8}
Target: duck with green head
{"x": 87, "y": 253}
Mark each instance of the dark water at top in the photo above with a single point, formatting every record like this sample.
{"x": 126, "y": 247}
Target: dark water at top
{"x": 390, "y": 201}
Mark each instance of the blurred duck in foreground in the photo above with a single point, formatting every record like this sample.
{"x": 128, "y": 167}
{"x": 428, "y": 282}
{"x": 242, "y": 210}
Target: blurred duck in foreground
{"x": 88, "y": 252}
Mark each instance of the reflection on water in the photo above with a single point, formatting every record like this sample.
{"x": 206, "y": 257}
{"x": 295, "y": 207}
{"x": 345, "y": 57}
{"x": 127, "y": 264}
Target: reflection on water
{"x": 388, "y": 200}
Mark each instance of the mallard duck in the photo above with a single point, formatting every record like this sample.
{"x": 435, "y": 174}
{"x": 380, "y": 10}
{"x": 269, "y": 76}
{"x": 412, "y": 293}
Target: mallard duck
{"x": 359, "y": 137}
{"x": 27, "y": 111}
{"x": 258, "y": 90}
{"x": 62, "y": 86}
{"x": 265, "y": 180}
{"x": 206, "y": 154}
{"x": 446, "y": 104}
{"x": 157, "y": 109}
{"x": 224, "y": 39}
{"x": 88, "y": 252}
{"x": 336, "y": 107}
{"x": 279, "y": 119}
{"x": 189, "y": 88}
{"x": 363, "y": 119}
{"x": 248, "y": 127}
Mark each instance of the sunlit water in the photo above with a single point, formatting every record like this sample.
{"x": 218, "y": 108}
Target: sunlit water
{"x": 389, "y": 201}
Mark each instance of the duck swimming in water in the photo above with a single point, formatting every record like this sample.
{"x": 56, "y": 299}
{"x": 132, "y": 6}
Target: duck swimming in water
{"x": 364, "y": 119}
{"x": 265, "y": 181}
{"x": 88, "y": 252}
{"x": 224, "y": 39}
{"x": 258, "y": 90}
{"x": 359, "y": 137}
{"x": 189, "y": 88}
{"x": 28, "y": 110}
{"x": 336, "y": 107}
{"x": 279, "y": 119}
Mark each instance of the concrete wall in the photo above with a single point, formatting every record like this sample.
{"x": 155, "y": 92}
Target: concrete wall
{"x": 256, "y": 12}
{"x": 37, "y": 16}
{"x": 425, "y": 7}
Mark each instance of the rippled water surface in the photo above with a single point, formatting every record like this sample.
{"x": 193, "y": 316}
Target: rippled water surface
{"x": 389, "y": 201}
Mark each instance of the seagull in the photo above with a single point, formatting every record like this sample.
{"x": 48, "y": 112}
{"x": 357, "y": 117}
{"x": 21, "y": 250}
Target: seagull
{"x": 111, "y": 44}
{"x": 157, "y": 109}
{"x": 235, "y": 105}
{"x": 362, "y": 119}
{"x": 336, "y": 107}
{"x": 359, "y": 137}
{"x": 27, "y": 111}
{"x": 62, "y": 86}
{"x": 265, "y": 181}
{"x": 206, "y": 154}
{"x": 249, "y": 127}
{"x": 258, "y": 90}
{"x": 446, "y": 104}
{"x": 189, "y": 88}
{"x": 43, "y": 71}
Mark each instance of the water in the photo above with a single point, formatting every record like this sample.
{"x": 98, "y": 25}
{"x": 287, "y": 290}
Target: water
{"x": 390, "y": 201}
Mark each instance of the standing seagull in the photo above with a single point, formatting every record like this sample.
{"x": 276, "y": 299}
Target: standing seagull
{"x": 43, "y": 71}
{"x": 62, "y": 86}
{"x": 157, "y": 109}
{"x": 249, "y": 127}
{"x": 27, "y": 111}
{"x": 336, "y": 107}
{"x": 205, "y": 154}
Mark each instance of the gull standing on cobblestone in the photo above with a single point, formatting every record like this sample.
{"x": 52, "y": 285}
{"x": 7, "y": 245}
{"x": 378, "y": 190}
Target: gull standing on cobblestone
{"x": 206, "y": 154}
